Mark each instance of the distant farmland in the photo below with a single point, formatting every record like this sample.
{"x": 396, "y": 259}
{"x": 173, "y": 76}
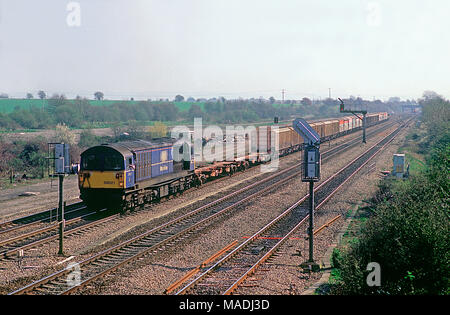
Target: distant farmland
{"x": 8, "y": 105}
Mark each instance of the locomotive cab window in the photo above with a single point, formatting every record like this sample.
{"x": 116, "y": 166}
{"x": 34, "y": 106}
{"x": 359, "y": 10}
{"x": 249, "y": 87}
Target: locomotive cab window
{"x": 113, "y": 163}
{"x": 102, "y": 161}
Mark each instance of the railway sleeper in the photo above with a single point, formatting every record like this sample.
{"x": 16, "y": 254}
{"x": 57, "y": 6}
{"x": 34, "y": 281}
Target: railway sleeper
{"x": 102, "y": 261}
{"x": 139, "y": 246}
{"x": 116, "y": 255}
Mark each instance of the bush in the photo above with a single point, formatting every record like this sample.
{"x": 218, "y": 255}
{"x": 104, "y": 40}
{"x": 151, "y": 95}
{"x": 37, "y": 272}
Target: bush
{"x": 408, "y": 231}
{"x": 88, "y": 139}
{"x": 27, "y": 157}
{"x": 158, "y": 130}
{"x": 407, "y": 235}
{"x": 336, "y": 258}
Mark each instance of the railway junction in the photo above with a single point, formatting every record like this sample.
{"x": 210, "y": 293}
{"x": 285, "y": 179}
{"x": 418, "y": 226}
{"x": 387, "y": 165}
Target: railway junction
{"x": 244, "y": 234}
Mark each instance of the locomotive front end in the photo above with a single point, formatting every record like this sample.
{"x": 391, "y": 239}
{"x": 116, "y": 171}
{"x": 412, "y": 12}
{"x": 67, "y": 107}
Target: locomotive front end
{"x": 102, "y": 177}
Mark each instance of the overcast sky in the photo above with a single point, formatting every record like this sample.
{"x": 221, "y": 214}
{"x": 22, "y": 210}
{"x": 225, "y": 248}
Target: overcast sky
{"x": 231, "y": 48}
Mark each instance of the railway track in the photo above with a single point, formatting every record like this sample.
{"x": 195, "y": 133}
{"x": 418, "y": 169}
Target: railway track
{"x": 158, "y": 238}
{"x": 225, "y": 276}
{"x": 9, "y": 248}
{"x": 50, "y": 215}
{"x": 46, "y": 216}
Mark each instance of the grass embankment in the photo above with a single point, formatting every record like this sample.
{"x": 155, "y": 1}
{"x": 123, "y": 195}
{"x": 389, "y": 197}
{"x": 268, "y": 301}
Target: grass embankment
{"x": 404, "y": 229}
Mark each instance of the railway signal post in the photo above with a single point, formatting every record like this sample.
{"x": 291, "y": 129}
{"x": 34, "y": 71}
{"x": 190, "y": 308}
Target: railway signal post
{"x": 354, "y": 112}
{"x": 311, "y": 174}
{"x": 61, "y": 206}
{"x": 59, "y": 154}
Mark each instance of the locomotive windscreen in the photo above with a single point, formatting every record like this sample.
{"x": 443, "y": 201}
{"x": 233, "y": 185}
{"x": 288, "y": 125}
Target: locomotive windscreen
{"x": 102, "y": 160}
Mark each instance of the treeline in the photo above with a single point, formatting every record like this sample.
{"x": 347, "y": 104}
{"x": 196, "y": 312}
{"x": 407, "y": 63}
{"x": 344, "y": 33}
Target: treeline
{"x": 30, "y": 157}
{"x": 407, "y": 233}
{"x": 251, "y": 110}
{"x": 80, "y": 113}
{"x": 239, "y": 111}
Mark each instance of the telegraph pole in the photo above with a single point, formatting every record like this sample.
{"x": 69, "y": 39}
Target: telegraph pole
{"x": 282, "y": 95}
{"x": 329, "y": 92}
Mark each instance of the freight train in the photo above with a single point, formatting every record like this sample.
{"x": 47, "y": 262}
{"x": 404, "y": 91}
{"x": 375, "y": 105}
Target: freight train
{"x": 290, "y": 141}
{"x": 128, "y": 174}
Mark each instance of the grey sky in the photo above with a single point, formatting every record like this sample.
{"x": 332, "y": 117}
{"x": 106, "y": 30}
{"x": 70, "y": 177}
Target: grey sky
{"x": 232, "y": 48}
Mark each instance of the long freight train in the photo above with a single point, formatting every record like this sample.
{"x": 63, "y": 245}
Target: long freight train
{"x": 127, "y": 174}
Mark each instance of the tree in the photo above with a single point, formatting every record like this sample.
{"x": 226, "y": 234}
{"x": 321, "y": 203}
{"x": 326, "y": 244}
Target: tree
{"x": 428, "y": 95}
{"x": 332, "y": 102}
{"x": 24, "y": 118}
{"x": 64, "y": 135}
{"x": 195, "y": 112}
{"x": 179, "y": 98}
{"x": 55, "y": 101}
{"x": 158, "y": 130}
{"x": 394, "y": 99}
{"x": 306, "y": 101}
{"x": 88, "y": 139}
{"x": 272, "y": 100}
{"x": 42, "y": 95}
{"x": 99, "y": 95}
{"x": 68, "y": 114}
{"x": 29, "y": 96}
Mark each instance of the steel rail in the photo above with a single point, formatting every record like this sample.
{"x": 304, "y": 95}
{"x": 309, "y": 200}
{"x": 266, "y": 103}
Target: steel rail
{"x": 253, "y": 268}
{"x": 327, "y": 224}
{"x": 10, "y": 252}
{"x": 191, "y": 273}
{"x": 153, "y": 232}
{"x": 37, "y": 218}
{"x": 44, "y": 215}
{"x": 170, "y": 239}
{"x": 274, "y": 221}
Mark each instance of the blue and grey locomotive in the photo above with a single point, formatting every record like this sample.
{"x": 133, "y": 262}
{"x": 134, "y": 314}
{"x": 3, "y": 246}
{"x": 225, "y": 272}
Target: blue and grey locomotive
{"x": 126, "y": 174}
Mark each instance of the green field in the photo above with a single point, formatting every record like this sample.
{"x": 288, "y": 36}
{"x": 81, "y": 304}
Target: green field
{"x": 8, "y": 105}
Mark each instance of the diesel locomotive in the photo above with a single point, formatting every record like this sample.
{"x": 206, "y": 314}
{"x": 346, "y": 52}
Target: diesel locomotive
{"x": 126, "y": 174}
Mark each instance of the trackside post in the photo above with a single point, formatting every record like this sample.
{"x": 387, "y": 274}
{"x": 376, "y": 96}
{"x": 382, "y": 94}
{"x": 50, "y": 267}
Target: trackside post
{"x": 59, "y": 155}
{"x": 311, "y": 174}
